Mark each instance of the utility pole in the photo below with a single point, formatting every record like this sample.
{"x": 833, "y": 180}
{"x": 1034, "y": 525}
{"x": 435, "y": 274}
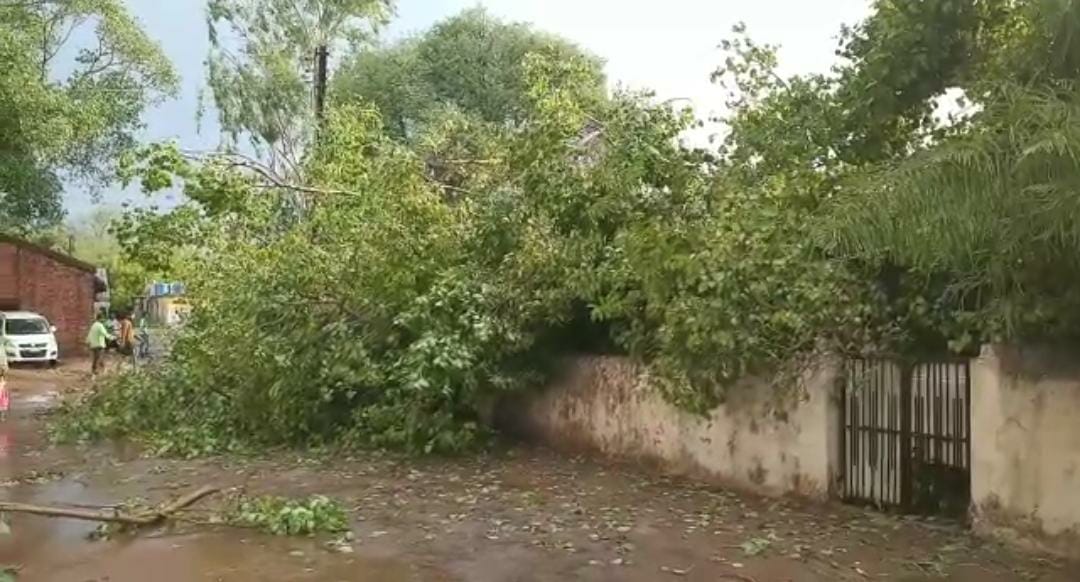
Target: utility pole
{"x": 321, "y": 55}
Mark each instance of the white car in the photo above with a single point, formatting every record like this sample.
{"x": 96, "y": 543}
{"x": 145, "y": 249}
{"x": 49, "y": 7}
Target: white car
{"x": 27, "y": 337}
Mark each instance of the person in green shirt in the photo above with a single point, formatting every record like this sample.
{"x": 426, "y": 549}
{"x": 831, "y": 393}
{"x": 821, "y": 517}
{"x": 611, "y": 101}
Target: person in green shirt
{"x": 3, "y": 357}
{"x": 97, "y": 339}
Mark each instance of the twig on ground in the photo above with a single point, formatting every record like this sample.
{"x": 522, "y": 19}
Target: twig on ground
{"x": 144, "y": 519}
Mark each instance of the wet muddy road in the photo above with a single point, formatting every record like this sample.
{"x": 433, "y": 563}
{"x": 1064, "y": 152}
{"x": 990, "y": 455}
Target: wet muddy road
{"x": 517, "y": 515}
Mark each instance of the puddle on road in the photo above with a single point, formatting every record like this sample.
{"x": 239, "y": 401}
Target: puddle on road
{"x": 58, "y": 550}
{"x": 205, "y": 556}
{"x": 223, "y": 555}
{"x": 39, "y": 400}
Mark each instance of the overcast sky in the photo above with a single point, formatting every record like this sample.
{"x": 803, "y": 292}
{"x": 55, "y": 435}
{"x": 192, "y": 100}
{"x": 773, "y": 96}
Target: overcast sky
{"x": 668, "y": 46}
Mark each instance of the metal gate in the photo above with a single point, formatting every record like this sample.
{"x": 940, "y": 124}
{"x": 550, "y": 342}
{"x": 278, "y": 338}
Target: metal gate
{"x": 905, "y": 435}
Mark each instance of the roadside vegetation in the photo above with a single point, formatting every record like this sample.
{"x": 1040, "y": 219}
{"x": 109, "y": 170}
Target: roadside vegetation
{"x": 441, "y": 239}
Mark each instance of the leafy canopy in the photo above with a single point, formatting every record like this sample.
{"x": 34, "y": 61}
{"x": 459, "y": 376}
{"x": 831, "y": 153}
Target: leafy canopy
{"x": 74, "y": 123}
{"x": 471, "y": 63}
{"x": 261, "y": 63}
{"x": 985, "y": 210}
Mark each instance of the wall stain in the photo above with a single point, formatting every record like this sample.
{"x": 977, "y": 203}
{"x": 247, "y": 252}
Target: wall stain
{"x": 758, "y": 474}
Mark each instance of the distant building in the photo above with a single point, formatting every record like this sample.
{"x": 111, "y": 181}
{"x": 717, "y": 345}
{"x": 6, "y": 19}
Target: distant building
{"x": 165, "y": 304}
{"x": 58, "y": 286}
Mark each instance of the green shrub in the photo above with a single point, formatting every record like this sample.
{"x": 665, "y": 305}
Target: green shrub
{"x": 289, "y": 517}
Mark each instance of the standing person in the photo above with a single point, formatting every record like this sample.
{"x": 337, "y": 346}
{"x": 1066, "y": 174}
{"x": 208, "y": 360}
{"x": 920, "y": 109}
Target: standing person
{"x": 5, "y": 396}
{"x": 142, "y": 339}
{"x": 96, "y": 340}
{"x": 3, "y": 357}
{"x": 126, "y": 340}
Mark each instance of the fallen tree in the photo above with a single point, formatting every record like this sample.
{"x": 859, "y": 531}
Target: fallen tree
{"x": 394, "y": 289}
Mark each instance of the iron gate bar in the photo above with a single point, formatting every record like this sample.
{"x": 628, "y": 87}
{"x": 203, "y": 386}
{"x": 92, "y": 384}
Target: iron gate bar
{"x": 863, "y": 427}
{"x": 943, "y": 415}
{"x": 958, "y": 418}
{"x": 933, "y": 424}
{"x": 843, "y": 435}
{"x": 934, "y": 428}
{"x": 958, "y": 422}
{"x": 871, "y": 434}
{"x": 906, "y": 377}
{"x": 888, "y": 438}
{"x": 935, "y": 418}
{"x": 864, "y": 431}
{"x": 859, "y": 440}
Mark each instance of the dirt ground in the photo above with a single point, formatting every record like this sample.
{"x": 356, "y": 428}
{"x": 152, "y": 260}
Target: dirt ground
{"x": 520, "y": 514}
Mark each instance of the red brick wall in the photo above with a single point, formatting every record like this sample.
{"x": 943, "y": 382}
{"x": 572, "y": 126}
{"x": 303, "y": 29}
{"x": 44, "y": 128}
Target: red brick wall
{"x": 9, "y": 289}
{"x": 60, "y": 292}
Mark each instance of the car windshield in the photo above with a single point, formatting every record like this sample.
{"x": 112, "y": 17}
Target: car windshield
{"x": 25, "y": 326}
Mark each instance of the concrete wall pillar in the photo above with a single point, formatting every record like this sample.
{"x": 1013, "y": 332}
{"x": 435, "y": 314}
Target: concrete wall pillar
{"x": 1025, "y": 446}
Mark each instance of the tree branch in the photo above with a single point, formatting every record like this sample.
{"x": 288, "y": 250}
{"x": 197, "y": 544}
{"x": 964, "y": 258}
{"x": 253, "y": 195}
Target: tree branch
{"x": 237, "y": 160}
{"x": 302, "y": 19}
{"x": 143, "y": 519}
{"x": 100, "y": 67}
{"x": 450, "y": 187}
{"x": 75, "y": 22}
